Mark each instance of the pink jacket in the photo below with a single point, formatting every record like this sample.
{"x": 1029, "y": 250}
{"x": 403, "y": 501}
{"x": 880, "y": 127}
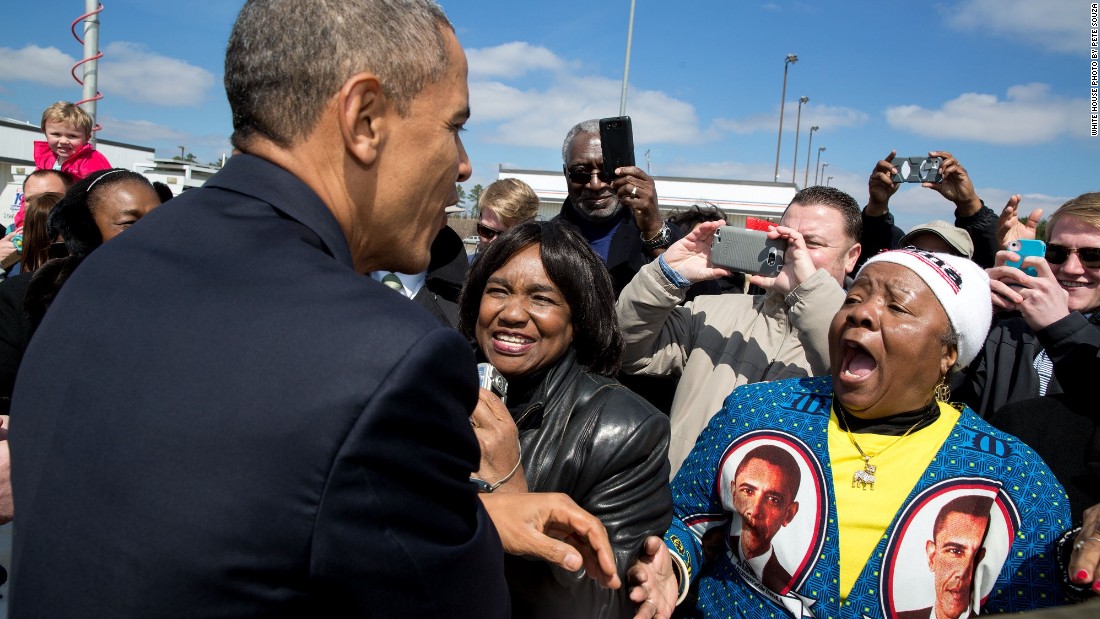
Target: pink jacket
{"x": 83, "y": 162}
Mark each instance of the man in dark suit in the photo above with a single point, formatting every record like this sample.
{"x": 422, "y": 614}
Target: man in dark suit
{"x": 954, "y": 553}
{"x": 222, "y": 416}
{"x": 763, "y": 490}
{"x": 438, "y": 288}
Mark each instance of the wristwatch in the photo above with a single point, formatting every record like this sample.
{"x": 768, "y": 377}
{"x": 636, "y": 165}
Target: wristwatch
{"x": 661, "y": 240}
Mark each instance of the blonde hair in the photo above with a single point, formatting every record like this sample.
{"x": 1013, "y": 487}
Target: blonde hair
{"x": 67, "y": 113}
{"x": 511, "y": 199}
{"x": 1085, "y": 207}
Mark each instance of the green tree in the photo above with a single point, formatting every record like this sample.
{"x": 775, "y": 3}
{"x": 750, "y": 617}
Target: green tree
{"x": 475, "y": 196}
{"x": 461, "y": 196}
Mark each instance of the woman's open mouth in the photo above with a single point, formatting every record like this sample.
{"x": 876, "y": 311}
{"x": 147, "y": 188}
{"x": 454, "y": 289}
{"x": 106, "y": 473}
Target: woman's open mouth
{"x": 858, "y": 364}
{"x": 511, "y": 343}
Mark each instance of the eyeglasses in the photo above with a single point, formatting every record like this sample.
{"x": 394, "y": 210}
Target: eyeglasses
{"x": 581, "y": 176}
{"x": 1089, "y": 256}
{"x": 487, "y": 232}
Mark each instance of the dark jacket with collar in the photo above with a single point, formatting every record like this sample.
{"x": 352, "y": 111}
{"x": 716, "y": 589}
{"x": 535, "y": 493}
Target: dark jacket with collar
{"x": 1004, "y": 370}
{"x": 446, "y": 274}
{"x": 589, "y": 437}
{"x": 244, "y": 425}
{"x": 626, "y": 255}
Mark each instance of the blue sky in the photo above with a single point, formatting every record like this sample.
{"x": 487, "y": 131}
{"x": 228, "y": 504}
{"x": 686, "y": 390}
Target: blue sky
{"x": 1002, "y": 84}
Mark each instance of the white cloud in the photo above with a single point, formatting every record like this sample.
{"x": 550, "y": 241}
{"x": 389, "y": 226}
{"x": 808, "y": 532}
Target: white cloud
{"x": 41, "y": 65}
{"x": 138, "y": 131}
{"x": 1029, "y": 114}
{"x": 511, "y": 60}
{"x": 130, "y": 71}
{"x": 541, "y": 118}
{"x": 823, "y": 116}
{"x": 1056, "y": 25}
{"x": 127, "y": 70}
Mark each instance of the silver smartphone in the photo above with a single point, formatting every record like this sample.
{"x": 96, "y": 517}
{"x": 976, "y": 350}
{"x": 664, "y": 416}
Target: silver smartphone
{"x": 747, "y": 251}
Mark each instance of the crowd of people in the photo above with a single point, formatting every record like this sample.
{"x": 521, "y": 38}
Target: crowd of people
{"x": 322, "y": 406}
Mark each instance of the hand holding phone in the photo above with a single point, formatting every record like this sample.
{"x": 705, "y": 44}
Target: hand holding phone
{"x": 917, "y": 169}
{"x": 617, "y": 144}
{"x": 1025, "y": 248}
{"x": 747, "y": 251}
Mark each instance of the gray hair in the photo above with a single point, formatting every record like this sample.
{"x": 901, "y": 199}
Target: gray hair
{"x": 588, "y": 126}
{"x": 286, "y": 58}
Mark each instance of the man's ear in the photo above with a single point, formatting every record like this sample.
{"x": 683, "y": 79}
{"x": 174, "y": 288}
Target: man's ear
{"x": 362, "y": 109}
{"x": 852, "y": 257}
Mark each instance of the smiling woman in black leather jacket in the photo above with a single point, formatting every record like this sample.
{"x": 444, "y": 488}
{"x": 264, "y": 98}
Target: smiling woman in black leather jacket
{"x": 540, "y": 306}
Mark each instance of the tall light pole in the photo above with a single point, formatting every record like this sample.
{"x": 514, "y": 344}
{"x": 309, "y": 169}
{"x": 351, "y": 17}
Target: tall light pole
{"x": 797, "y": 128}
{"x": 791, "y": 58}
{"x": 626, "y": 69}
{"x": 817, "y": 164}
{"x": 823, "y": 166}
{"x": 828, "y": 182}
{"x": 809, "y": 149}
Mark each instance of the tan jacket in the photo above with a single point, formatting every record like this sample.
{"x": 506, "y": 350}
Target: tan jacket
{"x": 719, "y": 342}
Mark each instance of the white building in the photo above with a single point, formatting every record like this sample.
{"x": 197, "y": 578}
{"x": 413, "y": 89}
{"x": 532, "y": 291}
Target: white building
{"x": 738, "y": 199}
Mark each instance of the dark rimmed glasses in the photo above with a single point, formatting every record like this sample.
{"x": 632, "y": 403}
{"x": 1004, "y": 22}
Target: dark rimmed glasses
{"x": 581, "y": 176}
{"x": 486, "y": 232}
{"x": 1058, "y": 254}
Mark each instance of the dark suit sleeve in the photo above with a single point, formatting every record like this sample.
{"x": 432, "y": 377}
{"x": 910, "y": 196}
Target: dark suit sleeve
{"x": 398, "y": 511}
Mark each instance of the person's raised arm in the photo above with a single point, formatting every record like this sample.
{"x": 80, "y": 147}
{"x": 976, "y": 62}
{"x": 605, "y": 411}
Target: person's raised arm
{"x": 638, "y": 192}
{"x": 1009, "y": 226}
{"x": 955, "y": 185}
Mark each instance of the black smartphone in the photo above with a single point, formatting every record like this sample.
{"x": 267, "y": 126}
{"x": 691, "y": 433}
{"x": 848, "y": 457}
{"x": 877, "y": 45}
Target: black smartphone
{"x": 747, "y": 251}
{"x": 617, "y": 143}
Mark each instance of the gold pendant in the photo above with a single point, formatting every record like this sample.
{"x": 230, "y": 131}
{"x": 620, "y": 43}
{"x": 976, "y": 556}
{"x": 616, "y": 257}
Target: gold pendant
{"x": 866, "y": 477}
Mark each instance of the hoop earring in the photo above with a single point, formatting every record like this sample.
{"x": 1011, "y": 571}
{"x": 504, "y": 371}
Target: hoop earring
{"x": 942, "y": 392}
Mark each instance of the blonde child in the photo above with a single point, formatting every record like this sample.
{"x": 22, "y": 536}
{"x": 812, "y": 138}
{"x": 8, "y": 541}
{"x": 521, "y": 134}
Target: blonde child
{"x": 67, "y": 129}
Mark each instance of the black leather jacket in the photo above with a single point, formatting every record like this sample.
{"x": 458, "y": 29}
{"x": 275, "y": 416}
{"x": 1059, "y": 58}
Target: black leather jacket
{"x": 587, "y": 436}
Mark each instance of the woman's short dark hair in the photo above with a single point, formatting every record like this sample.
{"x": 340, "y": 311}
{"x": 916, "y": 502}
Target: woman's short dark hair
{"x": 575, "y": 269}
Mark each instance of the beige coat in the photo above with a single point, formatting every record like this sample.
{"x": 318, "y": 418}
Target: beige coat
{"x": 717, "y": 343}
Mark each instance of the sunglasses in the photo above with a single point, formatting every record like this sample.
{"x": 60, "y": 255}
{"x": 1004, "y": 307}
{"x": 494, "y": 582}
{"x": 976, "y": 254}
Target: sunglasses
{"x": 581, "y": 176}
{"x": 487, "y": 232}
{"x": 1089, "y": 256}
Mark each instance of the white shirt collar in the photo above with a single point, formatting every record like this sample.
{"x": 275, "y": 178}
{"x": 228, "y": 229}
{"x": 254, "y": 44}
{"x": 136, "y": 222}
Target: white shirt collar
{"x": 411, "y": 283}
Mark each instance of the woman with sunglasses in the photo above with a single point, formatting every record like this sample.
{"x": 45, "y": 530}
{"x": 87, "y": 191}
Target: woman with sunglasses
{"x": 503, "y": 204}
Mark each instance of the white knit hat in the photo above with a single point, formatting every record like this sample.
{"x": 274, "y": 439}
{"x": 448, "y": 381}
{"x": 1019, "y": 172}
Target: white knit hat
{"x": 962, "y": 288}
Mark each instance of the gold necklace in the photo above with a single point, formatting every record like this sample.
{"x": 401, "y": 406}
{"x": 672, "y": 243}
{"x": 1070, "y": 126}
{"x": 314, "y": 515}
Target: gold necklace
{"x": 866, "y": 476}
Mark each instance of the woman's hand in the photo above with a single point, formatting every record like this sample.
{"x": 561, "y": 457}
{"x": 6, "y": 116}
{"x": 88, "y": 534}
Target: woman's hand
{"x": 1084, "y": 563}
{"x": 498, "y": 438}
{"x": 652, "y": 579}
